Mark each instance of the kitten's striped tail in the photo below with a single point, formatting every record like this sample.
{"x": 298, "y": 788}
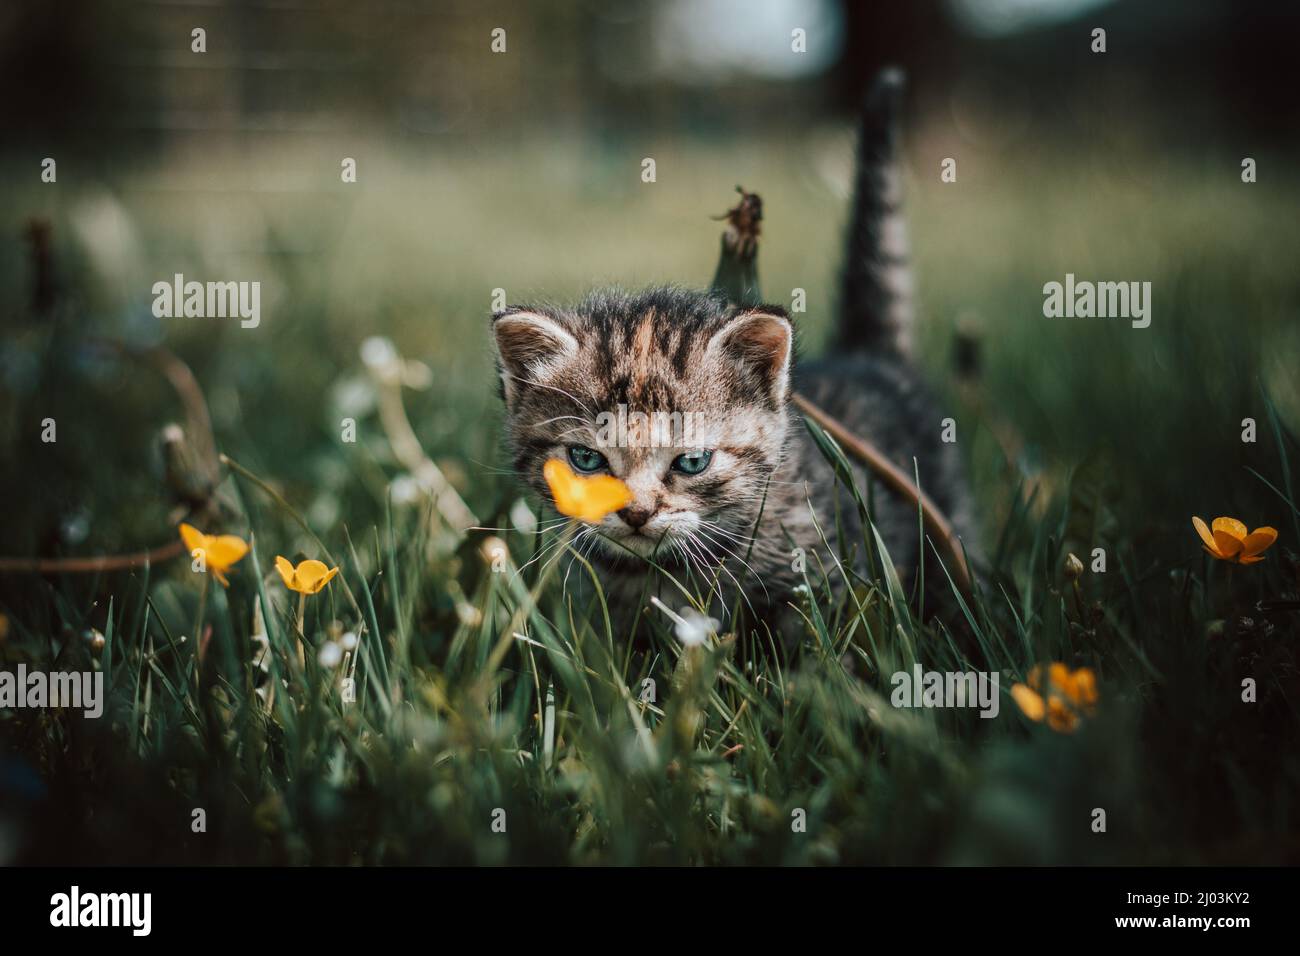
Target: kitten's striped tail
{"x": 876, "y": 299}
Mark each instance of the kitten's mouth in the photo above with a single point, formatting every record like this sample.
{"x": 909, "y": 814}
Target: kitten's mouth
{"x": 638, "y": 543}
{"x": 639, "y": 539}
{"x": 642, "y": 535}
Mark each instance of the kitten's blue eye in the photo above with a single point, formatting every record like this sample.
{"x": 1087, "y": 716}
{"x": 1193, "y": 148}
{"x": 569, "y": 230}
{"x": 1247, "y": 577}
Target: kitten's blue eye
{"x": 586, "y": 459}
{"x": 693, "y": 462}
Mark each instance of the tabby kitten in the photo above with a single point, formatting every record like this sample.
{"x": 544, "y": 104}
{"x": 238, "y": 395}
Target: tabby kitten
{"x": 727, "y": 484}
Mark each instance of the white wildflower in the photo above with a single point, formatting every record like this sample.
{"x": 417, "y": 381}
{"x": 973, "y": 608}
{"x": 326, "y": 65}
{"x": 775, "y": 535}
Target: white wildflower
{"x": 330, "y": 655}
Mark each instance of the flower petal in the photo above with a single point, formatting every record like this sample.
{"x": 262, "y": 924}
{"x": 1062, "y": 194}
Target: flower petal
{"x": 1203, "y": 530}
{"x": 195, "y": 540}
{"x": 326, "y": 580}
{"x": 1084, "y": 687}
{"x": 1060, "y": 718}
{"x": 587, "y": 499}
{"x": 226, "y": 550}
{"x": 285, "y": 568}
{"x": 1258, "y": 540}
{"x": 1059, "y": 678}
{"x": 1030, "y": 703}
{"x": 1228, "y": 546}
{"x": 603, "y": 494}
{"x": 563, "y": 484}
{"x": 1250, "y": 559}
{"x": 1231, "y": 525}
{"x": 312, "y": 575}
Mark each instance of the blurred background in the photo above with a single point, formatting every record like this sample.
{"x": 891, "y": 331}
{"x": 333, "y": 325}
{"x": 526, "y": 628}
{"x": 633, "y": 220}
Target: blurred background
{"x": 521, "y": 171}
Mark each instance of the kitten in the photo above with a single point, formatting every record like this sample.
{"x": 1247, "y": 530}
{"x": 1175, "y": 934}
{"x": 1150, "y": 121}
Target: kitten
{"x": 727, "y": 483}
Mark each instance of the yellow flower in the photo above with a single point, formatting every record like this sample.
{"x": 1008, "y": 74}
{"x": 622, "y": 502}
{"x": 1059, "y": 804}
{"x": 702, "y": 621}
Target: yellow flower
{"x": 587, "y": 499}
{"x": 307, "y": 578}
{"x": 219, "y": 551}
{"x": 1227, "y": 540}
{"x": 1070, "y": 694}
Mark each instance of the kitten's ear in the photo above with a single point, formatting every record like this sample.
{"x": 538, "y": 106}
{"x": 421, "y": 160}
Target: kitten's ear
{"x": 528, "y": 346}
{"x": 759, "y": 343}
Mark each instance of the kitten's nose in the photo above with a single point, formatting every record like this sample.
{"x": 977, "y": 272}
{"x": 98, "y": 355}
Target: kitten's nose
{"x": 635, "y": 517}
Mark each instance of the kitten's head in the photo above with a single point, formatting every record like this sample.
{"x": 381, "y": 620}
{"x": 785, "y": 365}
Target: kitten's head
{"x": 711, "y": 380}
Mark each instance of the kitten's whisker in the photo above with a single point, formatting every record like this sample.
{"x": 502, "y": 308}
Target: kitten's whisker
{"x": 752, "y": 543}
{"x": 721, "y": 566}
{"x": 728, "y": 532}
{"x": 709, "y": 534}
{"x": 555, "y": 388}
{"x": 737, "y": 557}
{"x": 581, "y": 541}
{"x": 559, "y": 552}
{"x": 585, "y": 426}
{"x": 540, "y": 529}
{"x": 559, "y": 540}
{"x": 535, "y": 558}
{"x": 692, "y": 558}
{"x": 710, "y": 566}
{"x": 560, "y": 418}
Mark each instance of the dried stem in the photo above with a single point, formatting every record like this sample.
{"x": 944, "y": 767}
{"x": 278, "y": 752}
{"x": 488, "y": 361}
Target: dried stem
{"x": 186, "y": 386}
{"x": 407, "y": 449}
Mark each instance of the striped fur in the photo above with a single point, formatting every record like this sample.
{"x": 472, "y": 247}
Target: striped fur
{"x": 663, "y": 350}
{"x": 876, "y": 298}
{"x": 768, "y": 504}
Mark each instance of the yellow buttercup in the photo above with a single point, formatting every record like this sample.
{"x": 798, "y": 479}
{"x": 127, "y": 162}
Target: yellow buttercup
{"x": 1067, "y": 696}
{"x": 588, "y": 499}
{"x": 307, "y": 578}
{"x": 1227, "y": 540}
{"x": 220, "y": 552}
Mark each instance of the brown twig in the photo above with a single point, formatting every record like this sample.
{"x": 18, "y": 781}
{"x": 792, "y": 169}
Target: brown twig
{"x": 187, "y": 388}
{"x": 936, "y": 522}
{"x": 408, "y": 450}
{"x": 743, "y": 224}
{"x": 102, "y": 562}
{"x": 737, "y": 278}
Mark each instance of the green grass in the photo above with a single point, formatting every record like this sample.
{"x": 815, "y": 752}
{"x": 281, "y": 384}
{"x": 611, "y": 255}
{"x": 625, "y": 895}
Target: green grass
{"x": 1079, "y": 435}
